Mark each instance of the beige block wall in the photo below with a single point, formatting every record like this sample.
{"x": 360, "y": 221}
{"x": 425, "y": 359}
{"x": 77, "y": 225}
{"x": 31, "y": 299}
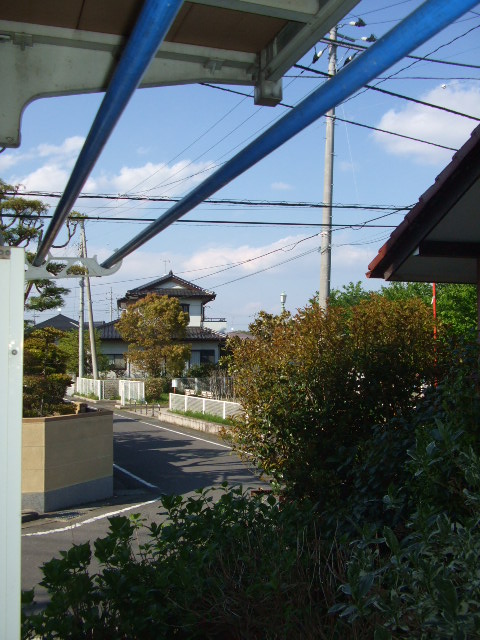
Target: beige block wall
{"x": 61, "y": 451}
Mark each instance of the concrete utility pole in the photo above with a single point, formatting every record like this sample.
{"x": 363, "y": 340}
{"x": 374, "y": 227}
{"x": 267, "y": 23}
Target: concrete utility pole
{"x": 81, "y": 322}
{"x": 91, "y": 329}
{"x": 326, "y": 245}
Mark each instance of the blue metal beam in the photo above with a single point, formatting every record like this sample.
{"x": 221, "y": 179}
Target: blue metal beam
{"x": 417, "y": 28}
{"x": 151, "y": 28}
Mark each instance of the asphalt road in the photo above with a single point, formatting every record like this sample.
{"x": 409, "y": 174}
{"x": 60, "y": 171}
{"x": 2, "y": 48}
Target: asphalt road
{"x": 151, "y": 458}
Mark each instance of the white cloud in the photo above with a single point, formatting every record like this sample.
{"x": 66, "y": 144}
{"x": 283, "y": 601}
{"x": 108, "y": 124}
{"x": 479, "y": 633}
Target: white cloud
{"x": 69, "y": 147}
{"x": 50, "y": 177}
{"x": 431, "y": 124}
{"x": 281, "y": 186}
{"x": 8, "y": 160}
{"x": 249, "y": 259}
{"x": 53, "y": 174}
{"x": 153, "y": 178}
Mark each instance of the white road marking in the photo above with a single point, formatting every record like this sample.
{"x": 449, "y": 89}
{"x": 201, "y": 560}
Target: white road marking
{"x": 148, "y": 484}
{"x": 180, "y": 433}
{"x": 90, "y": 520}
{"x": 132, "y": 475}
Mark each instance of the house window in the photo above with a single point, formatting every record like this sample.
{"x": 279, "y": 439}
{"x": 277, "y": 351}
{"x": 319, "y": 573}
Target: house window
{"x": 204, "y": 356}
{"x": 186, "y": 309}
{"x": 116, "y": 360}
{"x": 207, "y": 356}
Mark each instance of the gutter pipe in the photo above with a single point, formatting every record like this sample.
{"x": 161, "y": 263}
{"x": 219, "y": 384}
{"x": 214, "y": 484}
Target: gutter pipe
{"x": 148, "y": 34}
{"x": 418, "y": 27}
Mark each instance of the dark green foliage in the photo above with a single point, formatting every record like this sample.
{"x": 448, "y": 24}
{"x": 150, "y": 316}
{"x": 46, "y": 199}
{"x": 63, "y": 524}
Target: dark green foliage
{"x": 68, "y": 345}
{"x": 456, "y": 303}
{"x": 201, "y": 370}
{"x": 397, "y": 556}
{"x": 45, "y": 381}
{"x": 43, "y": 395}
{"x": 234, "y": 567}
{"x": 21, "y": 225}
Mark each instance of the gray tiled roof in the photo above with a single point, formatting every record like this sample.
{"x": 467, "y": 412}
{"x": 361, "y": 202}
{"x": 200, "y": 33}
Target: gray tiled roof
{"x": 64, "y": 323}
{"x": 184, "y": 289}
{"x": 108, "y": 331}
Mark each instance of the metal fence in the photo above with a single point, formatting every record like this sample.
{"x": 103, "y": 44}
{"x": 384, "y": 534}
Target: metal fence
{"x": 219, "y": 385}
{"x": 127, "y": 390}
{"x": 131, "y": 391}
{"x": 90, "y": 387}
{"x": 219, "y": 408}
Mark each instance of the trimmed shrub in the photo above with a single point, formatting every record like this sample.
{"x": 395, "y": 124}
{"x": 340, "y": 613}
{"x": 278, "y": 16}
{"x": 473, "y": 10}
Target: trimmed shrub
{"x": 315, "y": 384}
{"x": 156, "y": 387}
{"x": 44, "y": 394}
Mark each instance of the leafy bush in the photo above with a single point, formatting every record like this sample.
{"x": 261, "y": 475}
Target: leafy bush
{"x": 201, "y": 370}
{"x": 316, "y": 383}
{"x": 397, "y": 556}
{"x": 45, "y": 382}
{"x": 421, "y": 576}
{"x": 155, "y": 388}
{"x": 44, "y": 395}
{"x": 237, "y": 567}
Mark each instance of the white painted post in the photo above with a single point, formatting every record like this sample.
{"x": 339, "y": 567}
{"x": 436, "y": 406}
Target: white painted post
{"x": 224, "y": 410}
{"x": 12, "y": 277}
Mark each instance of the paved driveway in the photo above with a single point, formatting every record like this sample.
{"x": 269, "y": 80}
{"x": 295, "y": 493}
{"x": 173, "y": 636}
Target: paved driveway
{"x": 151, "y": 458}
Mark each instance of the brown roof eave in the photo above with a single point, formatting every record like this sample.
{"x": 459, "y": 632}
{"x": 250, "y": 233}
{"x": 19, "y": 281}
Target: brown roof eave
{"x": 457, "y": 177}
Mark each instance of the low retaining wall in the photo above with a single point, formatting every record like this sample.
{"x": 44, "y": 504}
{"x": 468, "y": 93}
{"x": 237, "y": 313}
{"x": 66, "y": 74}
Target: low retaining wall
{"x": 191, "y": 423}
{"x": 67, "y": 460}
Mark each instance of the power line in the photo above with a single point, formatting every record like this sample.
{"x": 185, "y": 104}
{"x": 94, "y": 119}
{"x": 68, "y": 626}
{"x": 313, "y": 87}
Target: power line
{"x": 231, "y": 201}
{"x": 408, "y": 66}
{"x": 398, "y": 95}
{"x": 245, "y": 223}
{"x": 353, "y": 122}
{"x": 360, "y": 47}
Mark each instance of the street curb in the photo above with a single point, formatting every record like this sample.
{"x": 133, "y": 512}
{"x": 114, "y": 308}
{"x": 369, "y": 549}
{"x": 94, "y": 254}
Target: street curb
{"x": 182, "y": 421}
{"x": 28, "y": 515}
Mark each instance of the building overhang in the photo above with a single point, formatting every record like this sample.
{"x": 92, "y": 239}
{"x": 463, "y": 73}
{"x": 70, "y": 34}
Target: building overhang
{"x": 55, "y": 48}
{"x": 439, "y": 239}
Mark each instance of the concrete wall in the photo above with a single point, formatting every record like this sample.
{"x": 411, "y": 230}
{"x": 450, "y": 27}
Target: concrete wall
{"x": 67, "y": 460}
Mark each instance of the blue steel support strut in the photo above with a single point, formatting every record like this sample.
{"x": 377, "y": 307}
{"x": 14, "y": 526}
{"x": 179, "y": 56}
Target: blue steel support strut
{"x": 417, "y": 28}
{"x": 150, "y": 29}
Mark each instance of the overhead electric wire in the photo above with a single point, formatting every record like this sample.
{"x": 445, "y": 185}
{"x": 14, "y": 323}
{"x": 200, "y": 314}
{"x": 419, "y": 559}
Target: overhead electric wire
{"x": 233, "y": 201}
{"x": 244, "y": 223}
{"x": 215, "y": 124}
{"x": 353, "y": 122}
{"x": 433, "y": 78}
{"x": 398, "y": 95}
{"x": 360, "y": 47}
{"x": 411, "y": 64}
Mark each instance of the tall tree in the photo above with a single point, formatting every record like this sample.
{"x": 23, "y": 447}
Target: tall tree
{"x": 456, "y": 303}
{"x": 68, "y": 345}
{"x": 21, "y": 225}
{"x": 154, "y": 328}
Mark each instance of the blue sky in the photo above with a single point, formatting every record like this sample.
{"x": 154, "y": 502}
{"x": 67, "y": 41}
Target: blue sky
{"x": 170, "y": 138}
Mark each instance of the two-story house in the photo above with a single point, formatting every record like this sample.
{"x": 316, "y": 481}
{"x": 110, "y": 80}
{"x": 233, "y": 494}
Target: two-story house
{"x": 205, "y": 335}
